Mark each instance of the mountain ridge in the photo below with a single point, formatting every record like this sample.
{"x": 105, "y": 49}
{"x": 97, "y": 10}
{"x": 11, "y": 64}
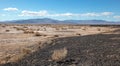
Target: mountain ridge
{"x": 53, "y": 21}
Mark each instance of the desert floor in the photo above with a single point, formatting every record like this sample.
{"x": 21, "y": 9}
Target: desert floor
{"x": 59, "y": 45}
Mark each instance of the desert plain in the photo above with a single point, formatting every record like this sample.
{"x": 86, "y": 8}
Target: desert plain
{"x": 59, "y": 45}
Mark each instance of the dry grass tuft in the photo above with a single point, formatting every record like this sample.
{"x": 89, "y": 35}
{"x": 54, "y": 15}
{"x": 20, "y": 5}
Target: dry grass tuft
{"x": 16, "y": 58}
{"x": 23, "y": 53}
{"x": 59, "y": 54}
{"x": 26, "y": 51}
{"x": 5, "y": 59}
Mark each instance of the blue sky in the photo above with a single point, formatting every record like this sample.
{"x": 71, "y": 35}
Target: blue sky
{"x": 60, "y": 9}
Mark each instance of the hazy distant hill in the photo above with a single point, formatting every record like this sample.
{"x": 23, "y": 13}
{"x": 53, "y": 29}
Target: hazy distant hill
{"x": 92, "y": 22}
{"x": 52, "y": 21}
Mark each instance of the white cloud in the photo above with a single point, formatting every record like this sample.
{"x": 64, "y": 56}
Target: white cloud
{"x": 67, "y": 14}
{"x": 43, "y": 13}
{"x": 97, "y": 14}
{"x": 106, "y": 13}
{"x": 90, "y": 14}
{"x": 63, "y": 14}
{"x": 34, "y": 13}
{"x": 85, "y": 14}
{"x": 10, "y": 9}
{"x": 116, "y": 17}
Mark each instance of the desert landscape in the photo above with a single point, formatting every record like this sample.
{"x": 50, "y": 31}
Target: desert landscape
{"x": 59, "y": 45}
{"x": 59, "y": 33}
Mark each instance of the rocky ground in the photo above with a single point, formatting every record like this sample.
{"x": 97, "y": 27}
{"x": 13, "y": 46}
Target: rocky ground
{"x": 61, "y": 45}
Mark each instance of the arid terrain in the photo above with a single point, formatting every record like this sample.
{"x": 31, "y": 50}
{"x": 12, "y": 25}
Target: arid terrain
{"x": 59, "y": 45}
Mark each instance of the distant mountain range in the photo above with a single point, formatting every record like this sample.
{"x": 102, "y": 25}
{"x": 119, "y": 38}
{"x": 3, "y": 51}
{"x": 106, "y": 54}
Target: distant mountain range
{"x": 52, "y": 21}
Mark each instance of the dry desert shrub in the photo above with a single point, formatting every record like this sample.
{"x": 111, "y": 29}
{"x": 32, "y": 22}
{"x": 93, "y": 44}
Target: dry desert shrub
{"x": 57, "y": 28}
{"x": 3, "y": 26}
{"x": 84, "y": 29}
{"x": 37, "y": 34}
{"x": 70, "y": 27}
{"x": 64, "y": 28}
{"x": 17, "y": 28}
{"x": 59, "y": 54}
{"x": 98, "y": 29}
{"x": 40, "y": 34}
{"x": 56, "y": 35}
{"x": 7, "y": 30}
{"x": 25, "y": 27}
{"x": 78, "y": 34}
{"x": 28, "y": 31}
{"x": 38, "y": 29}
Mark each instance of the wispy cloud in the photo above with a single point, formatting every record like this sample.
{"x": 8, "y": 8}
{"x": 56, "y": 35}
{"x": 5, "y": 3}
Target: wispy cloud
{"x": 33, "y": 13}
{"x": 107, "y": 13}
{"x": 10, "y": 9}
{"x": 67, "y": 14}
{"x": 89, "y": 14}
{"x": 2, "y": 15}
{"x": 96, "y": 14}
{"x": 63, "y": 14}
{"x": 84, "y": 14}
{"x": 116, "y": 17}
{"x": 44, "y": 13}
